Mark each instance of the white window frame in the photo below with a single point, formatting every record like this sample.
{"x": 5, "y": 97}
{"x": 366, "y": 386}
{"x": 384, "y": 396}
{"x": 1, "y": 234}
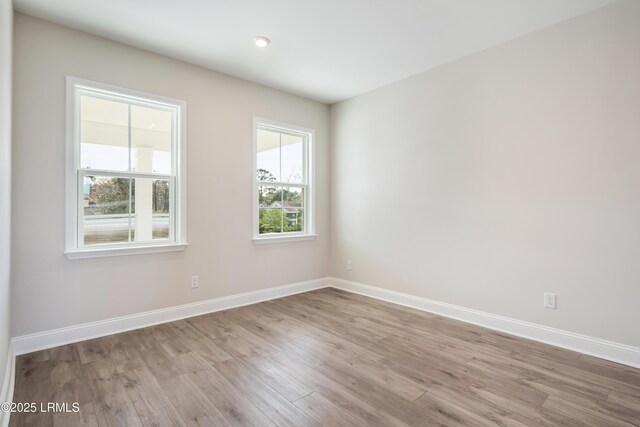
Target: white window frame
{"x": 309, "y": 232}
{"x": 74, "y": 205}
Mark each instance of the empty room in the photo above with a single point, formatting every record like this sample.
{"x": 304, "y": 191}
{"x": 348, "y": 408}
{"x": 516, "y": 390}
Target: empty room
{"x": 319, "y": 213}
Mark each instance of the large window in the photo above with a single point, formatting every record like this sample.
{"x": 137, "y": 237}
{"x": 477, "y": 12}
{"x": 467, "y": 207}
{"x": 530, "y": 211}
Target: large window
{"x": 125, "y": 171}
{"x": 283, "y": 201}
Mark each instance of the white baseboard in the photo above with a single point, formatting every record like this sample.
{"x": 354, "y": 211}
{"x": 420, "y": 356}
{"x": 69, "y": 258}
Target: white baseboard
{"x": 6, "y": 392}
{"x": 56, "y": 337}
{"x": 616, "y": 352}
{"x": 597, "y": 347}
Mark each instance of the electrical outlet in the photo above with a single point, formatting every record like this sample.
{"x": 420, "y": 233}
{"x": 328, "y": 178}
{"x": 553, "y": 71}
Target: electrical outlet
{"x": 349, "y": 265}
{"x": 550, "y": 300}
{"x": 195, "y": 282}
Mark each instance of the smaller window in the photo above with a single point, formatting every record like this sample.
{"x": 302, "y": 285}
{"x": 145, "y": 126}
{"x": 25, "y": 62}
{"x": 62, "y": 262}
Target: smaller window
{"x": 125, "y": 171}
{"x": 284, "y": 194}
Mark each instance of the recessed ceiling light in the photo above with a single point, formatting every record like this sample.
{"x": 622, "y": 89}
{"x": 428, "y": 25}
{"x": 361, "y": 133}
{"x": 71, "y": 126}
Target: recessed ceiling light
{"x": 262, "y": 41}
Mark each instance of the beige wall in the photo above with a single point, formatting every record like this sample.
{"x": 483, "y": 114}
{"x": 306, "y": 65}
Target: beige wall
{"x": 495, "y": 178}
{"x": 6, "y": 35}
{"x": 50, "y": 291}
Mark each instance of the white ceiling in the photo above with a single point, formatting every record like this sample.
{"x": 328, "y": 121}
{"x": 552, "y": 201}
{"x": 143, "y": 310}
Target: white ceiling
{"x": 327, "y": 50}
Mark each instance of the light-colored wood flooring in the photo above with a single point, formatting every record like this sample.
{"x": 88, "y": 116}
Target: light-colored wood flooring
{"x": 327, "y": 358}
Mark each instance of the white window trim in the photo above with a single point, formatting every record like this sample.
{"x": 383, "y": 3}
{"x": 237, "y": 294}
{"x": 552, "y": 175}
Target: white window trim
{"x": 72, "y": 250}
{"x": 310, "y": 210}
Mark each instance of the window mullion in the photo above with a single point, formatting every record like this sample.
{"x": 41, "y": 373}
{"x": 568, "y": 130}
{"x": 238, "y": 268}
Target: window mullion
{"x": 130, "y": 204}
{"x": 281, "y": 188}
{"x": 281, "y": 184}
{"x": 119, "y": 174}
{"x": 129, "y": 152}
{"x": 173, "y": 212}
{"x": 305, "y": 174}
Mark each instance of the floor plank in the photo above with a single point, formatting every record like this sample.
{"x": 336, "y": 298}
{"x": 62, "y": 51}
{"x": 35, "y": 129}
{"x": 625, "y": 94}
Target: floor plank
{"x": 280, "y": 410}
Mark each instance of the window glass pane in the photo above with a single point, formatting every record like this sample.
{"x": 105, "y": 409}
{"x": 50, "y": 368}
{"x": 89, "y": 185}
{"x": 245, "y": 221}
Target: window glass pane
{"x": 106, "y": 210}
{"x": 293, "y": 204}
{"x": 293, "y": 197}
{"x": 294, "y": 219}
{"x": 267, "y": 195}
{"x": 292, "y": 159}
{"x": 270, "y": 220}
{"x": 268, "y": 155}
{"x": 150, "y": 140}
{"x": 161, "y": 208}
{"x": 104, "y": 139}
{"x": 151, "y": 207}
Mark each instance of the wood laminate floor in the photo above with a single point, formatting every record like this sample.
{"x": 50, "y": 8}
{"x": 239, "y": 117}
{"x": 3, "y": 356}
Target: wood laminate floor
{"x": 327, "y": 358}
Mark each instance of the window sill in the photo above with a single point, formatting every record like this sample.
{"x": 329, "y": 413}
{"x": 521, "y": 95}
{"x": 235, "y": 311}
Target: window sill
{"x": 280, "y": 239}
{"x": 131, "y": 250}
